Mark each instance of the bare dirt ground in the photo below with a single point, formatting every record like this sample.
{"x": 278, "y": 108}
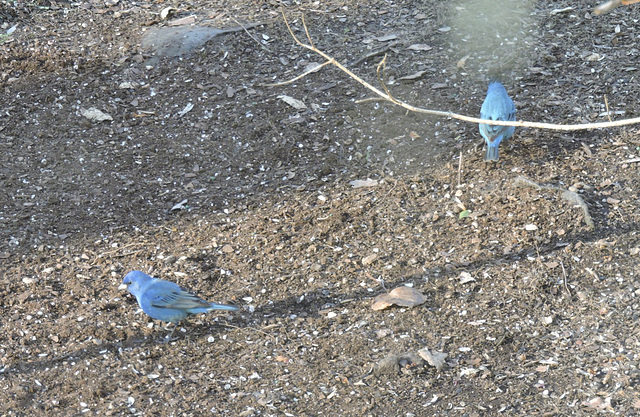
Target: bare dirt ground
{"x": 535, "y": 309}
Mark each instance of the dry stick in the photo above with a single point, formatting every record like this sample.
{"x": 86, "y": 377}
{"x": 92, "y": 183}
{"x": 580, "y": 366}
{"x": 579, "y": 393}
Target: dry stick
{"x": 569, "y": 196}
{"x": 387, "y": 97}
{"x": 606, "y": 106}
{"x": 629, "y": 161}
{"x": 314, "y": 69}
{"x": 375, "y": 53}
{"x": 564, "y": 275}
{"x": 250, "y": 35}
{"x": 459, "y": 168}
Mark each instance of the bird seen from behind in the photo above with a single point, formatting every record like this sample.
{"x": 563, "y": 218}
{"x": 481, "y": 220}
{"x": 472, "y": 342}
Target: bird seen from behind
{"x": 497, "y": 106}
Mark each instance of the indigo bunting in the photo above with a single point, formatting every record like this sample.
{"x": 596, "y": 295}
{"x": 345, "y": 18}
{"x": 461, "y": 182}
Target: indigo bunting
{"x": 167, "y": 301}
{"x": 497, "y": 106}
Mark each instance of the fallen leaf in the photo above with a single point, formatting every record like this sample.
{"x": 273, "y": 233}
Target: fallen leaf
{"x": 420, "y": 47}
{"x": 188, "y": 20}
{"x": 401, "y": 296}
{"x": 386, "y": 38}
{"x": 598, "y": 403}
{"x": 295, "y": 103}
{"x": 469, "y": 372}
{"x": 180, "y": 206}
{"x": 466, "y": 277}
{"x": 413, "y": 76}
{"x": 363, "y": 183}
{"x": 463, "y": 61}
{"x": 186, "y": 109}
{"x": 435, "y": 359}
{"x": 368, "y": 260}
{"x": 95, "y": 114}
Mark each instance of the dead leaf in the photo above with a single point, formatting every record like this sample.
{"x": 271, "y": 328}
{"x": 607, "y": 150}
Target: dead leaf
{"x": 466, "y": 277}
{"x": 420, "y": 47}
{"x": 188, "y": 20}
{"x": 386, "y": 38}
{"x": 368, "y": 260}
{"x": 95, "y": 114}
{"x": 435, "y": 359}
{"x": 463, "y": 61}
{"x": 186, "y": 109}
{"x": 401, "y": 296}
{"x": 180, "y": 206}
{"x": 363, "y": 183}
{"x": 598, "y": 403}
{"x": 295, "y": 103}
{"x": 413, "y": 76}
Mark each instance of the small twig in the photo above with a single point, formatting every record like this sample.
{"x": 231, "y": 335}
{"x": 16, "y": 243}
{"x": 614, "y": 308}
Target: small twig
{"x": 521, "y": 123}
{"x": 570, "y": 196}
{"x": 379, "y": 281}
{"x": 629, "y": 161}
{"x": 252, "y": 37}
{"x": 101, "y": 255}
{"x": 606, "y": 106}
{"x": 375, "y": 53}
{"x": 314, "y": 69}
{"x": 306, "y": 30}
{"x": 589, "y": 270}
{"x": 459, "y": 168}
{"x": 269, "y": 335}
{"x": 564, "y": 275}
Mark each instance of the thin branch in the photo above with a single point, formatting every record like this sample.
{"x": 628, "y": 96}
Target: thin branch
{"x": 629, "y": 161}
{"x": 388, "y": 97}
{"x": 459, "y": 168}
{"x": 250, "y": 35}
{"x": 606, "y": 105}
{"x": 293, "y": 80}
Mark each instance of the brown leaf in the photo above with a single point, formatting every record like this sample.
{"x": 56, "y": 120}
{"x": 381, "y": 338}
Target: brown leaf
{"x": 402, "y": 296}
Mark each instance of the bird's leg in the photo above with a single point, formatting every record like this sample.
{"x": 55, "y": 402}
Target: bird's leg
{"x": 168, "y": 338}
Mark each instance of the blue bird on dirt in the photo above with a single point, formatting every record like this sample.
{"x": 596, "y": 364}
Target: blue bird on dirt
{"x": 497, "y": 106}
{"x": 167, "y": 301}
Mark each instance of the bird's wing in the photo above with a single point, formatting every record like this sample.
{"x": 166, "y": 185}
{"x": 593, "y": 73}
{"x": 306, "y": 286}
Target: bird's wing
{"x": 492, "y": 131}
{"x": 176, "y": 298}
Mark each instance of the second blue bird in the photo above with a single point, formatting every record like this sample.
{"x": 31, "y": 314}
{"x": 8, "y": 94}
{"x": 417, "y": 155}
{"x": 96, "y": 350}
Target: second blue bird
{"x": 497, "y": 106}
{"x": 165, "y": 300}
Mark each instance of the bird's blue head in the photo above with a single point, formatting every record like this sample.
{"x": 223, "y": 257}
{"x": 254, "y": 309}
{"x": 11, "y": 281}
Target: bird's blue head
{"x": 135, "y": 280}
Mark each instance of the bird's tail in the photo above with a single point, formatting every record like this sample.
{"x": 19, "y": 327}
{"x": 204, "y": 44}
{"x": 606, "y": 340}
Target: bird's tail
{"x": 216, "y": 306}
{"x": 492, "y": 152}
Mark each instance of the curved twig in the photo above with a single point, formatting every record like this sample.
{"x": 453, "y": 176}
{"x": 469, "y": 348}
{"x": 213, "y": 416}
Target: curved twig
{"x": 387, "y": 97}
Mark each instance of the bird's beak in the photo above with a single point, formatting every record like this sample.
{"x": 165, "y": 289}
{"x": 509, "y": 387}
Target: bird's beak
{"x": 123, "y": 287}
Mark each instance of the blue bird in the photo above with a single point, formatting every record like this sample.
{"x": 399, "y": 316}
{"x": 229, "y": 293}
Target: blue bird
{"x": 167, "y": 301}
{"x": 497, "y": 106}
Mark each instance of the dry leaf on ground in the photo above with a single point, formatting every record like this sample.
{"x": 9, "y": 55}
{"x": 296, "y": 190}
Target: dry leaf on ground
{"x": 401, "y": 296}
